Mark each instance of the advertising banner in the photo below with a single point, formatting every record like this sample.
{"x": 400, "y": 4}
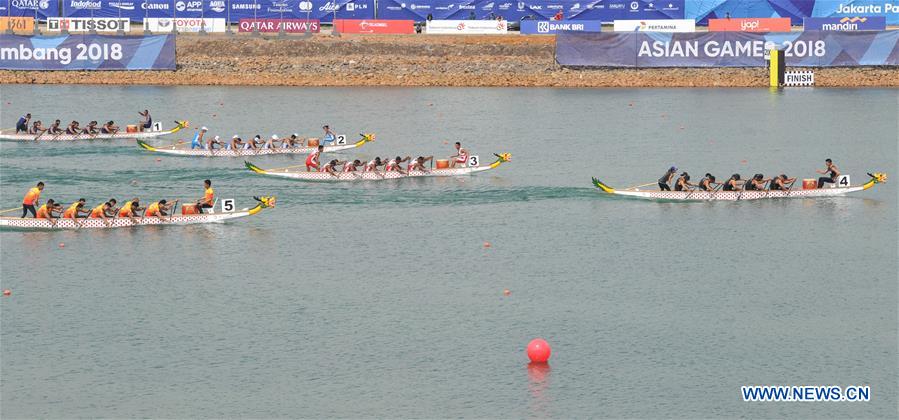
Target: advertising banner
{"x": 17, "y": 24}
{"x": 88, "y": 24}
{"x": 727, "y": 49}
{"x": 750, "y": 25}
{"x": 872, "y": 23}
{"x": 555, "y": 26}
{"x": 601, "y": 10}
{"x": 467, "y": 27}
{"x": 87, "y": 52}
{"x": 647, "y": 25}
{"x": 40, "y": 9}
{"x": 291, "y": 26}
{"x": 320, "y": 10}
{"x": 372, "y": 26}
{"x": 184, "y": 24}
{"x": 796, "y": 10}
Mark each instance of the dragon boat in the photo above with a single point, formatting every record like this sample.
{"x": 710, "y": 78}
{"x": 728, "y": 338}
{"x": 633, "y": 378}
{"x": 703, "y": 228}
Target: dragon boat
{"x": 183, "y": 149}
{"x": 10, "y": 135}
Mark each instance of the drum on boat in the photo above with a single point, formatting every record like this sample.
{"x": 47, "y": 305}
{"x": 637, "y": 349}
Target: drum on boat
{"x": 312, "y": 143}
{"x": 809, "y": 184}
{"x": 442, "y": 163}
{"x": 131, "y": 128}
{"x": 187, "y": 209}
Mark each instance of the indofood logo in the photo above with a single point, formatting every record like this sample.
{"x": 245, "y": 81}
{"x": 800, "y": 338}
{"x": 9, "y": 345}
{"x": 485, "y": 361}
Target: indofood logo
{"x": 85, "y": 4}
{"x": 31, "y": 4}
{"x": 217, "y": 6}
{"x": 305, "y": 6}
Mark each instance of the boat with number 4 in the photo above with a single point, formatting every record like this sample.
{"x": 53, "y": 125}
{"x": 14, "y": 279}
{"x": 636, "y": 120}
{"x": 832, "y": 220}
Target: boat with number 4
{"x": 10, "y": 135}
{"x": 376, "y": 176}
{"x": 183, "y": 149}
{"x": 19, "y": 223}
{"x": 698, "y": 195}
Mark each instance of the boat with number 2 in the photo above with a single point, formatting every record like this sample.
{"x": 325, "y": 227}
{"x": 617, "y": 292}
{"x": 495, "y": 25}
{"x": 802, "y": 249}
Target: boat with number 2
{"x": 185, "y": 150}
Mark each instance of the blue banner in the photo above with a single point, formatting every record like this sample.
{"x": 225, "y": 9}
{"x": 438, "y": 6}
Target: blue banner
{"x": 87, "y": 52}
{"x": 40, "y": 9}
{"x": 235, "y": 10}
{"x": 322, "y": 10}
{"x": 602, "y": 10}
{"x": 870, "y": 23}
{"x": 796, "y": 10}
{"x": 727, "y": 49}
{"x": 556, "y": 26}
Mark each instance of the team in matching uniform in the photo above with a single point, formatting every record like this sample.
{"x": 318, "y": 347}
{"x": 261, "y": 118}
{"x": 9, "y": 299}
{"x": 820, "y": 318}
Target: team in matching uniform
{"x": 335, "y": 166}
{"x": 274, "y": 142}
{"x": 757, "y": 182}
{"x": 131, "y": 209}
{"x": 24, "y": 125}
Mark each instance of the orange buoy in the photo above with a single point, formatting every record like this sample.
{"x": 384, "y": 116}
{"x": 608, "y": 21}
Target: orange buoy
{"x": 507, "y": 292}
{"x": 538, "y": 350}
{"x": 158, "y": 160}
{"x": 744, "y": 161}
{"x": 7, "y": 292}
{"x": 62, "y": 245}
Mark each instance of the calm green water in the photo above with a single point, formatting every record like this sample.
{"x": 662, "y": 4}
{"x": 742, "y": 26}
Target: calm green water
{"x": 379, "y": 300}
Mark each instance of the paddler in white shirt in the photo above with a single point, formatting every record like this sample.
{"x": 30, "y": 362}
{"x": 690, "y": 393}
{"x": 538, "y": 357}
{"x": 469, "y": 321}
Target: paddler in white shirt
{"x": 350, "y": 167}
{"x": 461, "y": 156}
{"x": 394, "y": 165}
{"x": 331, "y": 168}
{"x": 418, "y": 164}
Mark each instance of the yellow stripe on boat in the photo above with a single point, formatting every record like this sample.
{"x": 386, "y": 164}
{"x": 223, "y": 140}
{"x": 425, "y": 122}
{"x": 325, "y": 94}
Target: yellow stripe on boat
{"x": 603, "y": 187}
{"x": 146, "y": 146}
{"x": 254, "y": 168}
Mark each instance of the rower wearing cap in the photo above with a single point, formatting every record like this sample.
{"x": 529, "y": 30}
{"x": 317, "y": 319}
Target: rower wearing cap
{"x": 236, "y": 143}
{"x": 418, "y": 164}
{"x": 351, "y": 166}
{"x": 270, "y": 143}
{"x": 208, "y": 197}
{"x": 210, "y": 145}
{"x": 159, "y": 208}
{"x": 75, "y": 209}
{"x": 780, "y": 183}
{"x": 683, "y": 182}
{"x": 313, "y": 160}
{"x": 707, "y": 181}
{"x": 254, "y": 142}
{"x": 665, "y": 179}
{"x": 46, "y": 211}
{"x": 329, "y": 136}
{"x": 732, "y": 183}
{"x": 461, "y": 156}
{"x": 756, "y": 183}
{"x": 197, "y": 142}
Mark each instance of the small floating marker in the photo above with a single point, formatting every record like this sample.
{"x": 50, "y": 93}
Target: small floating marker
{"x": 744, "y": 161}
{"x": 487, "y": 245}
{"x": 62, "y": 245}
{"x": 507, "y": 292}
{"x": 158, "y": 159}
{"x": 445, "y": 142}
{"x": 630, "y": 104}
{"x": 7, "y": 292}
{"x": 681, "y": 127}
{"x": 538, "y": 350}
{"x": 431, "y": 104}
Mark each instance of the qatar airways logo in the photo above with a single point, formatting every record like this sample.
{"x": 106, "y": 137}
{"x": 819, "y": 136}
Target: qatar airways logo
{"x": 31, "y": 4}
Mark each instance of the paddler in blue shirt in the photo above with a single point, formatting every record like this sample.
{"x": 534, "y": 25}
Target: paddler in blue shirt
{"x": 329, "y": 136}
{"x": 197, "y": 142}
{"x": 146, "y": 121}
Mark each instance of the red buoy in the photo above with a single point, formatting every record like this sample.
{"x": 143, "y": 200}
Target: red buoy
{"x": 507, "y": 292}
{"x": 7, "y": 292}
{"x": 538, "y": 350}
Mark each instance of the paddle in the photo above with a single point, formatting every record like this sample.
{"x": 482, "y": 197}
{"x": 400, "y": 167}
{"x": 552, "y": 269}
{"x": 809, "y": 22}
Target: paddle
{"x": 640, "y": 186}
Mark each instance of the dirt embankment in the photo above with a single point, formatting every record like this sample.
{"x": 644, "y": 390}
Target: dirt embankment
{"x": 414, "y": 60}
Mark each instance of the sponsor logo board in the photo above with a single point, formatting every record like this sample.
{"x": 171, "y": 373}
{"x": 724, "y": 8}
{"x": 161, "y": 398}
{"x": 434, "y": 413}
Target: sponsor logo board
{"x": 483, "y": 27}
{"x": 556, "y": 26}
{"x": 184, "y": 24}
{"x": 17, "y": 24}
{"x": 275, "y": 25}
{"x": 374, "y": 26}
{"x": 750, "y": 25}
{"x": 88, "y": 24}
{"x": 858, "y": 23}
{"x": 655, "y": 25}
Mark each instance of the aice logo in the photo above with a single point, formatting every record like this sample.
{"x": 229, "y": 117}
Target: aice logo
{"x": 306, "y": 6}
{"x": 217, "y": 6}
{"x": 329, "y": 7}
{"x": 85, "y": 4}
{"x": 747, "y": 25}
{"x": 543, "y": 27}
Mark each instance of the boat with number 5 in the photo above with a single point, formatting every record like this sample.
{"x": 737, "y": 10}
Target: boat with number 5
{"x": 376, "y": 176}
{"x": 10, "y": 135}
{"x": 19, "y": 223}
{"x": 183, "y": 149}
{"x": 699, "y": 195}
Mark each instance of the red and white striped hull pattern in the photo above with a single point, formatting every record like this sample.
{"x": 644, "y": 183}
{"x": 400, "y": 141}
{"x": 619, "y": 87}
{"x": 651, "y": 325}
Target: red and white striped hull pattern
{"x": 737, "y": 195}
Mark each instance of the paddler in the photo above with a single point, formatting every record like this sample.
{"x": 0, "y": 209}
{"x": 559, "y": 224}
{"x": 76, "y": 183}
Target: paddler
{"x": 329, "y": 136}
{"x": 292, "y": 141}
{"x": 780, "y": 183}
{"x": 829, "y": 169}
{"x": 394, "y": 165}
{"x": 75, "y": 209}
{"x": 732, "y": 184}
{"x": 208, "y": 197}
{"x": 254, "y": 142}
{"x": 22, "y": 124}
{"x": 109, "y": 128}
{"x": 159, "y": 208}
{"x": 350, "y": 167}
{"x": 54, "y": 128}
{"x": 46, "y": 211}
{"x": 91, "y": 128}
{"x": 372, "y": 165}
{"x": 130, "y": 209}
{"x": 461, "y": 156}
{"x": 103, "y": 211}
{"x": 270, "y": 143}
{"x": 73, "y": 128}
{"x": 683, "y": 182}
{"x": 210, "y": 145}
{"x": 331, "y": 167}
{"x": 31, "y": 199}
{"x": 37, "y": 128}
{"x": 146, "y": 121}
{"x": 756, "y": 183}
{"x": 236, "y": 143}
{"x": 197, "y": 142}
{"x": 665, "y": 179}
{"x": 707, "y": 181}
{"x": 418, "y": 164}
{"x": 313, "y": 160}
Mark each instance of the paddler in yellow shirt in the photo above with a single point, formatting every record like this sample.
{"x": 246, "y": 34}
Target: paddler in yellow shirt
{"x": 130, "y": 209}
{"x": 208, "y": 197}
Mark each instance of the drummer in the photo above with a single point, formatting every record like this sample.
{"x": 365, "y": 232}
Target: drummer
{"x": 461, "y": 156}
{"x": 418, "y": 164}
{"x": 313, "y": 161}
{"x": 831, "y": 169}
{"x": 208, "y": 199}
{"x": 146, "y": 121}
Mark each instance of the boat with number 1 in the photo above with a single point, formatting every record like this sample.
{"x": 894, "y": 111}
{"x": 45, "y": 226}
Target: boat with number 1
{"x": 10, "y": 135}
